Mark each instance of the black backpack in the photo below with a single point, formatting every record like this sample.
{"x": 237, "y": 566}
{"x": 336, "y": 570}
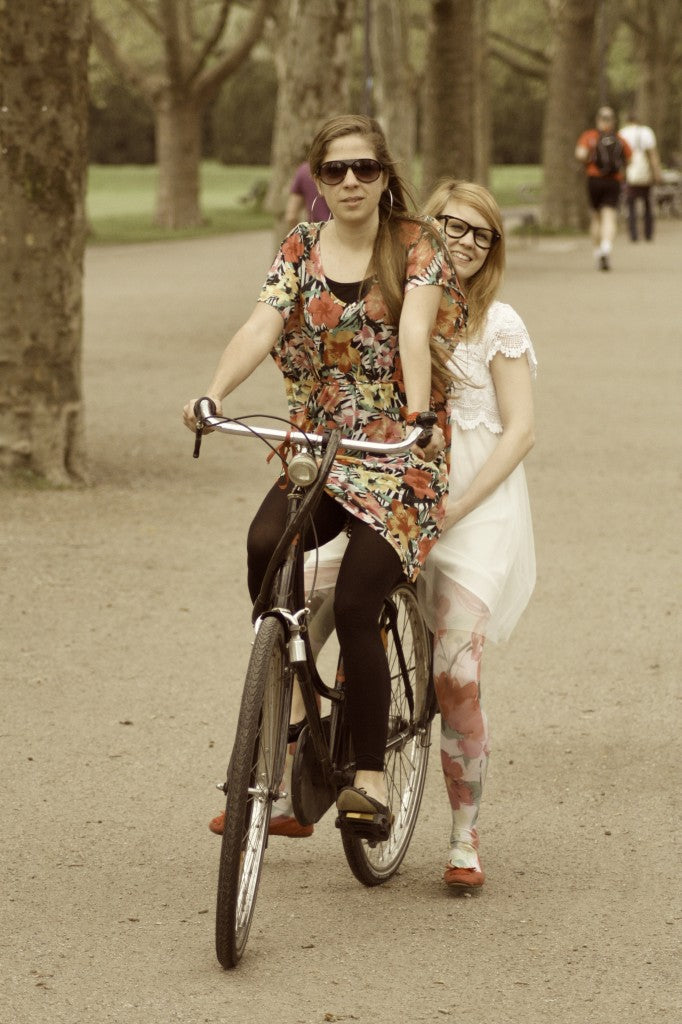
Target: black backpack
{"x": 609, "y": 155}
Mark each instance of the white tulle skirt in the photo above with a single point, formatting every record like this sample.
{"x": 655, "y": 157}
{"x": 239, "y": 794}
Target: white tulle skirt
{"x": 481, "y": 573}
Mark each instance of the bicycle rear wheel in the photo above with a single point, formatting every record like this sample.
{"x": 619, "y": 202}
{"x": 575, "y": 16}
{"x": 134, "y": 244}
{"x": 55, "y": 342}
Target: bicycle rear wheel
{"x": 408, "y": 649}
{"x": 254, "y": 778}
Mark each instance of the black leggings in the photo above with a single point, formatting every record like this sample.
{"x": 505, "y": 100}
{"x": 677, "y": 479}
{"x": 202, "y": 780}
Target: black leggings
{"x": 370, "y": 568}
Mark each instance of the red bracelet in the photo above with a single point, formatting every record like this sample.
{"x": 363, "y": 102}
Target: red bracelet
{"x": 422, "y": 419}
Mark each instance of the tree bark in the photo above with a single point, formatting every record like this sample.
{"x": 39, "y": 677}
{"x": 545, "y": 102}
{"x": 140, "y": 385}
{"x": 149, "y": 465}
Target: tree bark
{"x": 313, "y": 72}
{"x": 178, "y": 156}
{"x": 567, "y": 113}
{"x": 395, "y": 85}
{"x": 43, "y": 153}
{"x": 456, "y": 135}
{"x": 656, "y": 49}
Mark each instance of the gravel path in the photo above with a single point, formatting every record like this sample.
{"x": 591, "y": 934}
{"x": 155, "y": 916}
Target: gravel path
{"x": 121, "y": 677}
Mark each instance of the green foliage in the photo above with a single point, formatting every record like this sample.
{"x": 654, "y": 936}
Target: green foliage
{"x": 243, "y": 117}
{"x": 121, "y": 126}
{"x": 517, "y": 116}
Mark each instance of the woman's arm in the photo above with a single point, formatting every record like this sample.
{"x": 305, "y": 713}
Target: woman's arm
{"x": 417, "y": 320}
{"x": 246, "y": 350}
{"x": 420, "y": 308}
{"x": 512, "y": 380}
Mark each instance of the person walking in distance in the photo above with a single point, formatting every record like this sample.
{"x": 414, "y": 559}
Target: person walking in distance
{"x": 642, "y": 172}
{"x": 604, "y": 154}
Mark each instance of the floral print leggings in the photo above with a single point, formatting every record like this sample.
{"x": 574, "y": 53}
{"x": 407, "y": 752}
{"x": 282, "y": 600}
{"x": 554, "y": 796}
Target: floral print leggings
{"x": 464, "y": 745}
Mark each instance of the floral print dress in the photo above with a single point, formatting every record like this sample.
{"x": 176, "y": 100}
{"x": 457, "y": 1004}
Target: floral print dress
{"x": 341, "y": 367}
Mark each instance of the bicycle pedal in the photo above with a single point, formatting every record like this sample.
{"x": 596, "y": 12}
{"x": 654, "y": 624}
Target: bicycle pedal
{"x": 375, "y": 828}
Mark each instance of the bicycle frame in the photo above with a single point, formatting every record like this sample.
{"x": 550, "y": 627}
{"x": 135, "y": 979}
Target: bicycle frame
{"x": 334, "y": 768}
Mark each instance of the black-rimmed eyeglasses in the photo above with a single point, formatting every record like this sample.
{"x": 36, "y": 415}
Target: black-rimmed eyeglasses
{"x": 333, "y": 172}
{"x": 455, "y": 227}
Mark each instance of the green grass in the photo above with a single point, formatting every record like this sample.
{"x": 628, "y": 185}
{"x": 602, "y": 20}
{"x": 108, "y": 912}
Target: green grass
{"x": 120, "y": 200}
{"x": 516, "y": 184}
{"x": 120, "y": 203}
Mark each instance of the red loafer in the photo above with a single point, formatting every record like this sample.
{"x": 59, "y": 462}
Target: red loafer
{"x": 282, "y": 825}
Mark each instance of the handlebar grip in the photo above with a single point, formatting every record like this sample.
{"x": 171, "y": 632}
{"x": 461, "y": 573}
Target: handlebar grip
{"x": 203, "y": 407}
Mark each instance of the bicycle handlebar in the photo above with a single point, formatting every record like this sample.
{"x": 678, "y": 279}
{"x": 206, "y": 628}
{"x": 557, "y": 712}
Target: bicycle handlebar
{"x": 205, "y": 412}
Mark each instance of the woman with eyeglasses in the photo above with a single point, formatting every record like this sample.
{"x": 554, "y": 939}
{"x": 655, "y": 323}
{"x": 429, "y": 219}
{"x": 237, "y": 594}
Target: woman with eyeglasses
{"x": 479, "y": 576}
{"x": 481, "y": 573}
{"x": 361, "y": 314}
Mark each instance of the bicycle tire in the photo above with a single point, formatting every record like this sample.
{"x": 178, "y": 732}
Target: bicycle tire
{"x": 254, "y": 777}
{"x": 409, "y": 738}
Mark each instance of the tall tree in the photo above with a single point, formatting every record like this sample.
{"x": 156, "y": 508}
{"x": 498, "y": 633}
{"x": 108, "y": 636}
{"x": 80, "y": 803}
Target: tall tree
{"x": 193, "y": 48}
{"x": 658, "y": 55}
{"x": 312, "y": 48}
{"x": 569, "y": 82}
{"x": 43, "y": 152}
{"x": 394, "y": 78}
{"x": 456, "y": 109}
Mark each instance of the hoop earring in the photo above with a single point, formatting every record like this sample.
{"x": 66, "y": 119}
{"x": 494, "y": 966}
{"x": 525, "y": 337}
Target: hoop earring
{"x": 390, "y": 207}
{"x": 312, "y": 209}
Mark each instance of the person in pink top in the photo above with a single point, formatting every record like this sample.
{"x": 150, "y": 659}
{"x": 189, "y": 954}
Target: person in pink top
{"x": 304, "y": 202}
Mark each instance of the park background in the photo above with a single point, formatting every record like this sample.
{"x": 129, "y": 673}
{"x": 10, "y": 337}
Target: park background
{"x": 123, "y": 603}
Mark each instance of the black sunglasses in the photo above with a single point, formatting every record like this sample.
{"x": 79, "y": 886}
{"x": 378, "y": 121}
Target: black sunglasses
{"x": 455, "y": 227}
{"x": 333, "y": 172}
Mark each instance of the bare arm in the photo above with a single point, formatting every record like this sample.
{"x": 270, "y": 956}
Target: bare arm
{"x": 655, "y": 164}
{"x": 512, "y": 381}
{"x": 420, "y": 308}
{"x": 417, "y": 319}
{"x": 294, "y": 212}
{"x": 582, "y": 153}
{"x": 246, "y": 350}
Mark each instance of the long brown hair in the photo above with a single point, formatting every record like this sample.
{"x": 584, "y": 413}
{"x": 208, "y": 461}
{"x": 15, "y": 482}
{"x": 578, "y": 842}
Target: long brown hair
{"x": 483, "y": 286}
{"x": 396, "y": 205}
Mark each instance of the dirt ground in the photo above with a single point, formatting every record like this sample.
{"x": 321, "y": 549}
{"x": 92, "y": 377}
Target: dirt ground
{"x": 125, "y": 634}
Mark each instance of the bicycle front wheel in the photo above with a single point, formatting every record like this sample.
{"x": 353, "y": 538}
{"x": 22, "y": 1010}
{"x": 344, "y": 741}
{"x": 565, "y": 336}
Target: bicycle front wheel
{"x": 254, "y": 778}
{"x": 408, "y": 649}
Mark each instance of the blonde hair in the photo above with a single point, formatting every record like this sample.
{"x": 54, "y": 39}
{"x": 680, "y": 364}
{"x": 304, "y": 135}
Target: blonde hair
{"x": 483, "y": 286}
{"x": 396, "y": 205}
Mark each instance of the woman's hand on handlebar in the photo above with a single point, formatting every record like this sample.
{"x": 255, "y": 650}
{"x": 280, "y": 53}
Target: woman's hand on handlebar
{"x": 189, "y": 417}
{"x": 435, "y": 445}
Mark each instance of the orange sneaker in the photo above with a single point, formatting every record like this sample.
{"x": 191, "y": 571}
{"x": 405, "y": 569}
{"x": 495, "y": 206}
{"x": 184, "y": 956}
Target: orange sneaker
{"x": 282, "y": 825}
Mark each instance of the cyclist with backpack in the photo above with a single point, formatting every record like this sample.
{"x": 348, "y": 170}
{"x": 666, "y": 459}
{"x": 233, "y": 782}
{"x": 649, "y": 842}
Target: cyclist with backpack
{"x": 605, "y": 155}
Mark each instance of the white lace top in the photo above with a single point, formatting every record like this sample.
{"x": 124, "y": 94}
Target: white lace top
{"x": 476, "y": 402}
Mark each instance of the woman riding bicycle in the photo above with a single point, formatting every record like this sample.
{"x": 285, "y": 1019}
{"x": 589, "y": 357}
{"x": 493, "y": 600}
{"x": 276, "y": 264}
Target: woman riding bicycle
{"x": 360, "y": 314}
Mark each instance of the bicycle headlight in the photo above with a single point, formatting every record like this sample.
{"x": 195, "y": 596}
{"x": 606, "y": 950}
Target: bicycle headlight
{"x": 302, "y": 469}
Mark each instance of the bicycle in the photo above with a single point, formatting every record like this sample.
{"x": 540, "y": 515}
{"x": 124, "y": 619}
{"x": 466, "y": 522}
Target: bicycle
{"x": 323, "y": 759}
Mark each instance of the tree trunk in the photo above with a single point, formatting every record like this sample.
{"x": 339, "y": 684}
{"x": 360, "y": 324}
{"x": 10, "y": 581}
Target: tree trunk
{"x": 178, "y": 158}
{"x": 43, "y": 153}
{"x": 178, "y": 74}
{"x": 656, "y": 54}
{"x": 481, "y": 112}
{"x": 456, "y": 120}
{"x": 395, "y": 89}
{"x": 567, "y": 113}
{"x": 313, "y": 71}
